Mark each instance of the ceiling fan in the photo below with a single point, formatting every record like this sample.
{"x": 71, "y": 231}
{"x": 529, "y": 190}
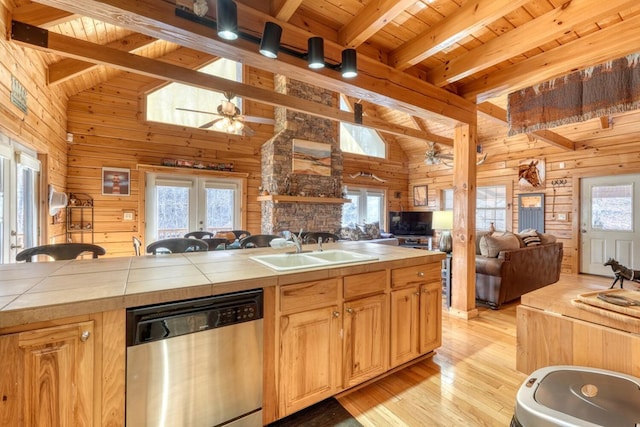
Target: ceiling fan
{"x": 229, "y": 118}
{"x": 434, "y": 157}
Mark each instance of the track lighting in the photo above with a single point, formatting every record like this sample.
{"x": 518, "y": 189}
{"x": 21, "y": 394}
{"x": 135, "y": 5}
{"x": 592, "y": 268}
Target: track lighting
{"x": 227, "y": 16}
{"x": 270, "y": 42}
{"x": 349, "y": 65}
{"x": 315, "y": 54}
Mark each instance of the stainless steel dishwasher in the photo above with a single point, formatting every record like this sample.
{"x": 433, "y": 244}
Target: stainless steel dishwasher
{"x": 196, "y": 363}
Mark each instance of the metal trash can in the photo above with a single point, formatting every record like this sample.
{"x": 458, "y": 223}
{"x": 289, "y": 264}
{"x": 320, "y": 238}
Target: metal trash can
{"x": 577, "y": 396}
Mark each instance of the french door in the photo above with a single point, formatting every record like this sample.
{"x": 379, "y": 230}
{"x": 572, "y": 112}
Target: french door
{"x": 19, "y": 207}
{"x": 176, "y": 205}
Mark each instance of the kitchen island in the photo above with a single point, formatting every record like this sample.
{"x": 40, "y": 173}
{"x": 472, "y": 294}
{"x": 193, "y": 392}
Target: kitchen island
{"x": 368, "y": 318}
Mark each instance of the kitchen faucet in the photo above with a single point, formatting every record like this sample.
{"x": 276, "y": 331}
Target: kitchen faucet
{"x": 296, "y": 240}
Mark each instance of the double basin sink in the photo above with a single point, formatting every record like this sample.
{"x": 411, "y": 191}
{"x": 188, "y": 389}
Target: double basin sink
{"x": 293, "y": 261}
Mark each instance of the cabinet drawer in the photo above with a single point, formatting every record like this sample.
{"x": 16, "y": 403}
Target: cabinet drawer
{"x": 415, "y": 275}
{"x": 365, "y": 284}
{"x": 308, "y": 295}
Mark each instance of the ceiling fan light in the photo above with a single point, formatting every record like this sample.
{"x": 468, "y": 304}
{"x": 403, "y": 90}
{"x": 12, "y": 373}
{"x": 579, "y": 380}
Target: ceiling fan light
{"x": 227, "y": 19}
{"x": 349, "y": 65}
{"x": 270, "y": 42}
{"x": 315, "y": 56}
{"x": 237, "y": 125}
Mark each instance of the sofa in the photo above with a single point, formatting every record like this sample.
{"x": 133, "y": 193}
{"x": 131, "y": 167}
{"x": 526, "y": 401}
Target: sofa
{"x": 509, "y": 265}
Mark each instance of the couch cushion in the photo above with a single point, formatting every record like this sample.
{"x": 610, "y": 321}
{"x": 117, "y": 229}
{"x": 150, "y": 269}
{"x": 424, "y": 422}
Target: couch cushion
{"x": 546, "y": 238}
{"x": 491, "y": 246}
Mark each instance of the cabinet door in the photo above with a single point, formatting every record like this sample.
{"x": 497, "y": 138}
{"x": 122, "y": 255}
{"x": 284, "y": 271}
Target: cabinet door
{"x": 404, "y": 325}
{"x": 430, "y": 317}
{"x": 365, "y": 339}
{"x": 310, "y": 354}
{"x": 48, "y": 376}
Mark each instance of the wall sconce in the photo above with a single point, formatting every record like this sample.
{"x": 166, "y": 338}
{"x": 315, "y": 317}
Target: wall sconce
{"x": 315, "y": 54}
{"x": 227, "y": 16}
{"x": 349, "y": 65}
{"x": 270, "y": 42}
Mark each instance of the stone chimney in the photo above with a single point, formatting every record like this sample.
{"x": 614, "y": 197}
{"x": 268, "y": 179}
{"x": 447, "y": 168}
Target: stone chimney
{"x": 278, "y": 176}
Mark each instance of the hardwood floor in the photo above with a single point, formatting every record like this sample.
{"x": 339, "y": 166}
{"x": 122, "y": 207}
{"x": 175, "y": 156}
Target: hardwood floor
{"x": 470, "y": 381}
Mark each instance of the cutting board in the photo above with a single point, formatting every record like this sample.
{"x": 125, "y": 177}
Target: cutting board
{"x": 591, "y": 302}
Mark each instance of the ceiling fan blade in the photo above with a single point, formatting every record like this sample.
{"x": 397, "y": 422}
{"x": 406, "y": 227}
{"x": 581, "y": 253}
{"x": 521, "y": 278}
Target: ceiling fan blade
{"x": 256, "y": 119}
{"x": 197, "y": 111}
{"x": 209, "y": 124}
{"x": 248, "y": 131}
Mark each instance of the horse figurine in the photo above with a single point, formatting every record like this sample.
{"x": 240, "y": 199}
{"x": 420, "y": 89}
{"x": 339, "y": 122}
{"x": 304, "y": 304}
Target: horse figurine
{"x": 621, "y": 272}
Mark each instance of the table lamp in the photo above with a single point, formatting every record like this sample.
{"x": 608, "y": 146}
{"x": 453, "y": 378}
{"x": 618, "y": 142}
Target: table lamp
{"x": 443, "y": 222}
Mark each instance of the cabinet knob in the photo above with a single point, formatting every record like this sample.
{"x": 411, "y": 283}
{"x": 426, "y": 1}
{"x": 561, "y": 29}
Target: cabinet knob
{"x": 350, "y": 310}
{"x": 85, "y": 336}
{"x": 336, "y": 314}
{"x": 417, "y": 294}
{"x": 420, "y": 273}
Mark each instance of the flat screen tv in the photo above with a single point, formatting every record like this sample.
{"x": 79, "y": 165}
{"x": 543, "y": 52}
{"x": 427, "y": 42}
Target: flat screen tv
{"x": 410, "y": 223}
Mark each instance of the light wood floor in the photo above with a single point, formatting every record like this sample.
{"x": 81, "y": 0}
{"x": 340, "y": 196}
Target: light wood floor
{"x": 471, "y": 380}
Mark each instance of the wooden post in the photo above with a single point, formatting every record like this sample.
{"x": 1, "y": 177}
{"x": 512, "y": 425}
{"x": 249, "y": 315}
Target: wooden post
{"x": 463, "y": 300}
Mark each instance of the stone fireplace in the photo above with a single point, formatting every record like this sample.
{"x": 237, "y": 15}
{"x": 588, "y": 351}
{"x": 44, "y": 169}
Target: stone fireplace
{"x": 278, "y": 177}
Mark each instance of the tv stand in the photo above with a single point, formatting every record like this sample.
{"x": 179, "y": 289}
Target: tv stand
{"x": 415, "y": 241}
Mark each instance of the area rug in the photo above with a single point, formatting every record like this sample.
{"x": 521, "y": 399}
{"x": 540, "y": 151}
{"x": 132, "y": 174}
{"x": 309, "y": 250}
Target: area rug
{"x": 601, "y": 90}
{"x": 328, "y": 413}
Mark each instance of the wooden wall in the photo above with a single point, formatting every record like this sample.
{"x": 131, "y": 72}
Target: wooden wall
{"x": 108, "y": 127}
{"x": 43, "y": 127}
{"x": 599, "y": 151}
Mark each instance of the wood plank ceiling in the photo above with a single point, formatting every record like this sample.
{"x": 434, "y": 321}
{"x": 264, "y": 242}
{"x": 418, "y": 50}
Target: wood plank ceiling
{"x": 423, "y": 64}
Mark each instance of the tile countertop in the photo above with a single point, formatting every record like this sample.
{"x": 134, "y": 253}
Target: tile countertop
{"x": 39, "y": 291}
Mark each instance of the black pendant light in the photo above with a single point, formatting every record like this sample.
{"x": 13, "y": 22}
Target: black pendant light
{"x": 227, "y": 19}
{"x": 316, "y": 52}
{"x": 349, "y": 65}
{"x": 270, "y": 42}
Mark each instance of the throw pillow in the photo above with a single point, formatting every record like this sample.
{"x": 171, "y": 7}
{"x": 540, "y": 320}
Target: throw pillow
{"x": 529, "y": 237}
{"x": 491, "y": 246}
{"x": 372, "y": 230}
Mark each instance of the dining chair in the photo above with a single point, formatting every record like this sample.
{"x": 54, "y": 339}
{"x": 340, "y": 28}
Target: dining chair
{"x": 199, "y": 234}
{"x": 177, "y": 245}
{"x": 313, "y": 236}
{"x": 257, "y": 240}
{"x": 61, "y": 251}
{"x": 137, "y": 244}
{"x": 241, "y": 233}
{"x": 216, "y": 243}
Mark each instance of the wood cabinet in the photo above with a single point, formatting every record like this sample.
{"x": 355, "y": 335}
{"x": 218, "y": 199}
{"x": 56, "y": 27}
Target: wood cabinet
{"x": 366, "y": 326}
{"x": 310, "y": 345}
{"x": 48, "y": 376}
{"x": 416, "y": 312}
{"x": 64, "y": 373}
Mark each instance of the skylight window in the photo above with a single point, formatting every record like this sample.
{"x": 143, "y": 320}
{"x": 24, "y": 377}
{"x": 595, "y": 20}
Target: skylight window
{"x": 163, "y": 105}
{"x": 358, "y": 139}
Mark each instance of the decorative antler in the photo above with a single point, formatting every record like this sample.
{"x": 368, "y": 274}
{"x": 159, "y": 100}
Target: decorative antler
{"x": 433, "y": 157}
{"x": 367, "y": 175}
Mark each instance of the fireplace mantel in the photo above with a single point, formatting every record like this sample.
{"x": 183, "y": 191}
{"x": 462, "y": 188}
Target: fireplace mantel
{"x": 275, "y": 198}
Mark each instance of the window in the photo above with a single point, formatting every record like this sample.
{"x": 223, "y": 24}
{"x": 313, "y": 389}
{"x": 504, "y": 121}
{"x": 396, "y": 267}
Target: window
{"x": 367, "y": 206}
{"x": 612, "y": 207}
{"x": 360, "y": 140}
{"x": 179, "y": 204}
{"x": 19, "y": 195}
{"x": 491, "y": 206}
{"x": 163, "y": 104}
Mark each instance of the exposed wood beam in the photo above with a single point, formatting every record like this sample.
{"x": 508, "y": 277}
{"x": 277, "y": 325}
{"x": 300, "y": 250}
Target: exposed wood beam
{"x": 500, "y": 115}
{"x": 524, "y": 38}
{"x": 68, "y": 68}
{"x": 369, "y": 21}
{"x": 472, "y": 16}
{"x": 283, "y": 10}
{"x": 376, "y": 82}
{"x": 86, "y": 51}
{"x": 40, "y": 15}
{"x": 607, "y": 44}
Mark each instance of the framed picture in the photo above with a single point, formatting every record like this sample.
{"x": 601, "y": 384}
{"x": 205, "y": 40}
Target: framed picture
{"x": 116, "y": 182}
{"x": 531, "y": 175}
{"x": 420, "y": 195}
{"x": 311, "y": 158}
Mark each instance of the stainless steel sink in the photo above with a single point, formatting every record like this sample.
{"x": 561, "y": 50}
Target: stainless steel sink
{"x": 293, "y": 261}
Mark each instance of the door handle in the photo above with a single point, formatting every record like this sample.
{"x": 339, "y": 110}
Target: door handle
{"x": 16, "y": 246}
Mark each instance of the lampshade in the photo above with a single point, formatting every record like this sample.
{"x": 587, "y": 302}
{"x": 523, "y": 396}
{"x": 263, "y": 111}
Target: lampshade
{"x": 442, "y": 220}
{"x": 227, "y": 16}
{"x": 349, "y": 63}
{"x": 316, "y": 52}
{"x": 270, "y": 42}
